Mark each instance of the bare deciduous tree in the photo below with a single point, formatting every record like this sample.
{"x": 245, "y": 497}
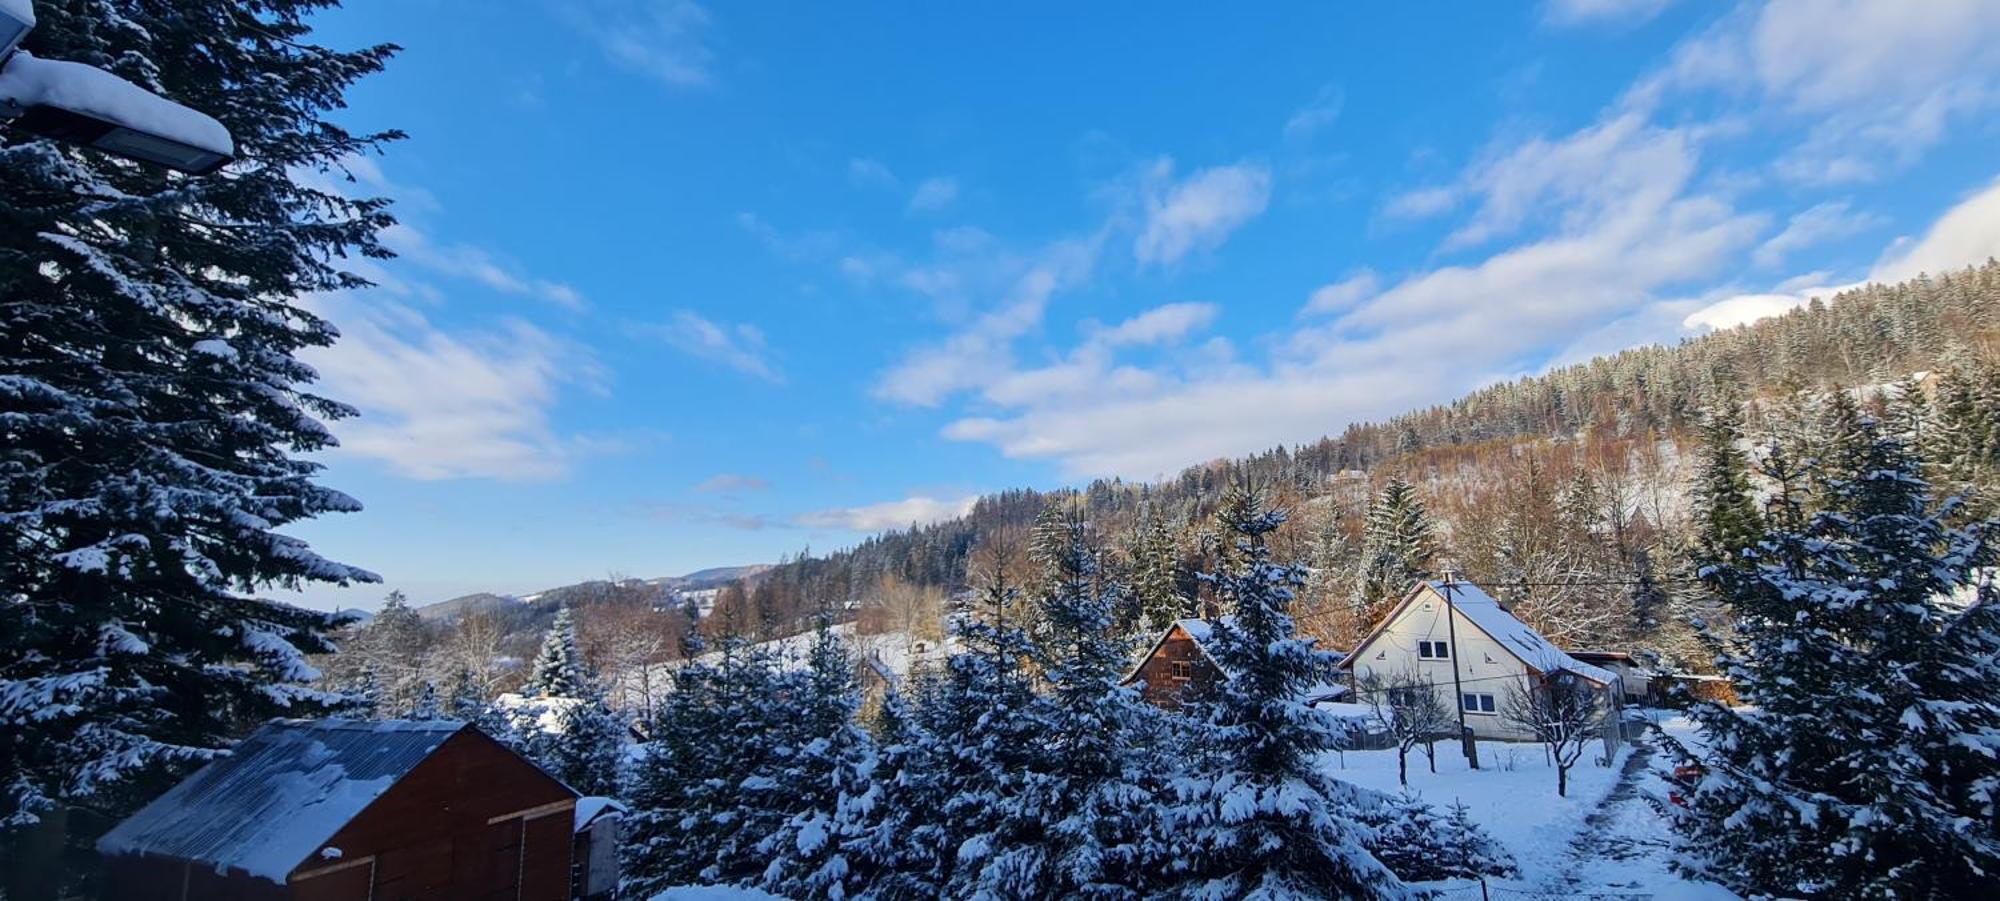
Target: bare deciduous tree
{"x": 1409, "y": 707}
{"x": 1564, "y": 711}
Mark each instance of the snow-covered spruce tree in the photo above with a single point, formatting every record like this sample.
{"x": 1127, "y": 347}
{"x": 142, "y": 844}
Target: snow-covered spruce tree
{"x": 826, "y": 786}
{"x": 1081, "y": 819}
{"x": 1257, "y": 815}
{"x": 1725, "y": 509}
{"x": 1397, "y": 548}
{"x": 1866, "y": 759}
{"x": 427, "y": 706}
{"x": 697, "y": 813}
{"x": 1155, "y": 573}
{"x": 975, "y": 736}
{"x": 152, "y": 408}
{"x": 1420, "y": 844}
{"x": 558, "y": 671}
{"x": 392, "y": 647}
{"x": 588, "y": 746}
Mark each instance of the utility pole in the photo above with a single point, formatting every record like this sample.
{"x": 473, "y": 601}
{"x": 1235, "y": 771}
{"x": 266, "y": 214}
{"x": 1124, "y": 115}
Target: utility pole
{"x": 1465, "y": 745}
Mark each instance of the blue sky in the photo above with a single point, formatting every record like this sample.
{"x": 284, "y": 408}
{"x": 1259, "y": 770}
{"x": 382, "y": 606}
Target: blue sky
{"x": 687, "y": 285}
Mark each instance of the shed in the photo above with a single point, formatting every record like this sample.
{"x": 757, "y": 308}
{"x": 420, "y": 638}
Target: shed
{"x": 1180, "y": 666}
{"x": 594, "y": 873}
{"x": 328, "y": 810}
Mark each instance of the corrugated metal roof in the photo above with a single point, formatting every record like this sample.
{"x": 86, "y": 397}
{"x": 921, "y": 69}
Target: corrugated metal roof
{"x": 280, "y": 795}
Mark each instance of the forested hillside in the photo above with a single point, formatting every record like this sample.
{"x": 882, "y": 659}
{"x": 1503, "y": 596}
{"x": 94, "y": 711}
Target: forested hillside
{"x": 1564, "y": 492}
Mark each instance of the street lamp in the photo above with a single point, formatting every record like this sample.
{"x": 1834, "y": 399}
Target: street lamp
{"x": 84, "y": 105}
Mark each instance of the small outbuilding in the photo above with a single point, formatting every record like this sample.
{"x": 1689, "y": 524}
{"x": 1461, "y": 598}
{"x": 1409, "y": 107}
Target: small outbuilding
{"x": 330, "y": 810}
{"x": 1179, "y": 667}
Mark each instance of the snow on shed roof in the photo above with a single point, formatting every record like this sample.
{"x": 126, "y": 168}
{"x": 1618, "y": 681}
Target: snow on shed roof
{"x": 1473, "y": 603}
{"x": 594, "y": 806}
{"x": 280, "y": 795}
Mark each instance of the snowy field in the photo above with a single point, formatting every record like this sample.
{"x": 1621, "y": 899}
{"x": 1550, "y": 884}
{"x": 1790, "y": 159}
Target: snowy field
{"x": 1602, "y": 841}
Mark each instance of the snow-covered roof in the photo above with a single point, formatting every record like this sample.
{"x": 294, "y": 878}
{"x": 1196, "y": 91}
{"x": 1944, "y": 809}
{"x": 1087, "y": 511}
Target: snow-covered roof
{"x": 1202, "y": 632}
{"x": 1475, "y": 604}
{"x": 590, "y": 808}
{"x": 280, "y": 795}
{"x": 23, "y": 10}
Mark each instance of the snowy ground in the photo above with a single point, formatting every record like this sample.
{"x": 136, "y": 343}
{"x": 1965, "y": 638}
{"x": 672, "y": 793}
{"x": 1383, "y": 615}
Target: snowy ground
{"x": 1605, "y": 840}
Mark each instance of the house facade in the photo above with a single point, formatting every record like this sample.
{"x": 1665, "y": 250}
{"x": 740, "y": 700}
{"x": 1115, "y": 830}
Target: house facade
{"x": 330, "y": 810}
{"x": 1471, "y": 650}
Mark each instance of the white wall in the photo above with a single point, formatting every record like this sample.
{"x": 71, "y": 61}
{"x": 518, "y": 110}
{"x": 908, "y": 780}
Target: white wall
{"x": 1483, "y": 665}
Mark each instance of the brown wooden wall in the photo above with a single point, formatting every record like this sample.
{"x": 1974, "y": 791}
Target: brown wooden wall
{"x": 453, "y": 828}
{"x": 472, "y": 821}
{"x": 1163, "y": 688}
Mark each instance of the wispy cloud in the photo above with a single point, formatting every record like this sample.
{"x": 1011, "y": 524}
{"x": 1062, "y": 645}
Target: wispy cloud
{"x": 1823, "y": 222}
{"x": 740, "y": 346}
{"x": 439, "y": 404}
{"x": 918, "y": 510}
{"x": 671, "y": 41}
{"x": 1320, "y": 113}
{"x": 732, "y": 483}
{"x": 1617, "y": 13}
{"x": 1198, "y": 212}
{"x": 933, "y": 194}
{"x": 475, "y": 263}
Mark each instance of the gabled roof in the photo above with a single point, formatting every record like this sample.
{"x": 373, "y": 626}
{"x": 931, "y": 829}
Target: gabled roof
{"x": 1202, "y": 633}
{"x": 280, "y": 795}
{"x": 1490, "y": 617}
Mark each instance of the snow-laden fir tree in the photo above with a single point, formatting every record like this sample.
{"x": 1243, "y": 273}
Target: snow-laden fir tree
{"x": 1257, "y": 816}
{"x": 154, "y": 415}
{"x": 826, "y": 786}
{"x": 559, "y": 669}
{"x": 1082, "y": 817}
{"x": 974, "y": 734}
{"x": 1420, "y": 844}
{"x": 1397, "y": 548}
{"x": 1866, "y": 759}
{"x": 1156, "y": 573}
{"x": 1725, "y": 508}
{"x": 427, "y": 706}
{"x": 697, "y": 811}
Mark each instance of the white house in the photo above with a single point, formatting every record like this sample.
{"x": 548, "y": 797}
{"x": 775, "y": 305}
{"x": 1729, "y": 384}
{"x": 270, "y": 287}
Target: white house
{"x": 1471, "y": 649}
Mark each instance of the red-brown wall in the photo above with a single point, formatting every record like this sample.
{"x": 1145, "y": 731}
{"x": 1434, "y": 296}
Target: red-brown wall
{"x": 453, "y": 827}
{"x": 1162, "y": 687}
{"x": 434, "y": 833}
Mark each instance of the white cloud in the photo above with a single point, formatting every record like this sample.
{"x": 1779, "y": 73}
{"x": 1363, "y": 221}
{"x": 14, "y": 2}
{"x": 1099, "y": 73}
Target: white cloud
{"x": 441, "y": 405}
{"x": 1170, "y": 322}
{"x": 668, "y": 40}
{"x": 1344, "y": 294}
{"x": 474, "y": 263}
{"x": 1321, "y": 112}
{"x": 1421, "y": 203}
{"x": 1613, "y": 235}
{"x": 1870, "y": 83}
{"x": 1602, "y": 12}
{"x": 869, "y": 173}
{"x": 1742, "y": 309}
{"x": 740, "y": 347}
{"x": 1199, "y": 212}
{"x": 1824, "y": 222}
{"x": 1967, "y": 234}
{"x": 732, "y": 483}
{"x": 920, "y": 510}
{"x": 934, "y": 194}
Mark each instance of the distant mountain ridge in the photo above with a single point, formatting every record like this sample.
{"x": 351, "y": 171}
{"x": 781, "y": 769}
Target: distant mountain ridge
{"x": 548, "y": 600}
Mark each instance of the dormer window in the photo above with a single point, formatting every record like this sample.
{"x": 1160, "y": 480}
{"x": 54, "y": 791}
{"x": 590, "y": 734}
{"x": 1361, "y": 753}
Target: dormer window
{"x": 1433, "y": 650}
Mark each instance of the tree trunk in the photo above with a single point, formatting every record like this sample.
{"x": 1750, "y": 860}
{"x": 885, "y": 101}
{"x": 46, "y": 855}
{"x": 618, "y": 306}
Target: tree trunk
{"x": 1402, "y": 765}
{"x": 1562, "y": 781}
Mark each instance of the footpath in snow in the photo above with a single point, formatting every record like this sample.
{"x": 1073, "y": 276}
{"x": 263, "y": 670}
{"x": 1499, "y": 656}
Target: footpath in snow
{"x": 1605, "y": 840}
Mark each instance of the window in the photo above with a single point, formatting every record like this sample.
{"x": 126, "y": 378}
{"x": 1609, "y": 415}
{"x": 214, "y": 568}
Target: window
{"x": 1183, "y": 669}
{"x": 1433, "y": 650}
{"x": 1476, "y": 703}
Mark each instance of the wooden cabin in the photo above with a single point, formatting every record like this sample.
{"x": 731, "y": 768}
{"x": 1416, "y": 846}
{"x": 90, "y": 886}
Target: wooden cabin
{"x": 1180, "y": 667}
{"x": 331, "y": 810}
